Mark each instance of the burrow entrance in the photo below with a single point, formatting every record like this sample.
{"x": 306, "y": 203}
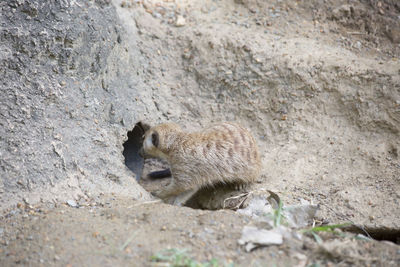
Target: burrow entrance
{"x": 132, "y": 146}
{"x": 377, "y": 233}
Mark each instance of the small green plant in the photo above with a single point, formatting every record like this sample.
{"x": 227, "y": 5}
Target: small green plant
{"x": 278, "y": 214}
{"x": 277, "y": 205}
{"x": 325, "y": 228}
{"x": 179, "y": 258}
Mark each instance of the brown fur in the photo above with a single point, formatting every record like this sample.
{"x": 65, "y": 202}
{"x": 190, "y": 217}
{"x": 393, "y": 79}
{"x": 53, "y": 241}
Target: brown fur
{"x": 222, "y": 153}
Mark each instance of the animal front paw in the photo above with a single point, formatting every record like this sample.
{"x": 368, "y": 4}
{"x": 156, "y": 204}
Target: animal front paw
{"x": 160, "y": 194}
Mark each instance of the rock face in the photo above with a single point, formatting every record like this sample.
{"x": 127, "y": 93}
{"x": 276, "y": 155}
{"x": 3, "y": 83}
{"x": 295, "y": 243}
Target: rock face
{"x": 69, "y": 93}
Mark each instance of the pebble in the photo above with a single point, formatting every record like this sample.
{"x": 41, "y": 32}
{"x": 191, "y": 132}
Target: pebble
{"x": 72, "y": 203}
{"x": 208, "y": 230}
{"x": 180, "y": 21}
{"x": 157, "y": 15}
{"x": 27, "y": 201}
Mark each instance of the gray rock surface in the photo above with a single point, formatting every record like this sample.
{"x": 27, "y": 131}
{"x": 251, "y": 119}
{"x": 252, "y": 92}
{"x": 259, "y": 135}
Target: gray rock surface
{"x": 69, "y": 94}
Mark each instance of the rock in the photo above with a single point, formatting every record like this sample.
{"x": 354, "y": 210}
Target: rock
{"x": 300, "y": 215}
{"x": 342, "y": 11}
{"x": 180, "y": 21}
{"x": 72, "y": 203}
{"x": 50, "y": 70}
{"x": 253, "y": 237}
{"x": 296, "y": 216}
{"x": 393, "y": 34}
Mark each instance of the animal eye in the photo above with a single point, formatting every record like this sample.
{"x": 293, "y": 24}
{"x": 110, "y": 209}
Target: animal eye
{"x": 154, "y": 139}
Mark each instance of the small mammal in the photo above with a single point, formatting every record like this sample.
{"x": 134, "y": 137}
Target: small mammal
{"x": 222, "y": 153}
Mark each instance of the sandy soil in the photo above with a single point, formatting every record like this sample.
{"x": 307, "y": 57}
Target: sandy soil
{"x": 112, "y": 231}
{"x": 318, "y": 85}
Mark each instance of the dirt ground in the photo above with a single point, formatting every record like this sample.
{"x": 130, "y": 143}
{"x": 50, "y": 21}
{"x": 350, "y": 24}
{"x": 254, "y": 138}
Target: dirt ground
{"x": 328, "y": 130}
{"x": 112, "y": 231}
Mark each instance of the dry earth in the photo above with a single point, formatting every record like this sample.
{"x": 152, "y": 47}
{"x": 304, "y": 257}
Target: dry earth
{"x": 317, "y": 82}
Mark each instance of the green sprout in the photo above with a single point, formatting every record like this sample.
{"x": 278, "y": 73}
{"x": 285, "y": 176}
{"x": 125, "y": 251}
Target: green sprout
{"x": 325, "y": 228}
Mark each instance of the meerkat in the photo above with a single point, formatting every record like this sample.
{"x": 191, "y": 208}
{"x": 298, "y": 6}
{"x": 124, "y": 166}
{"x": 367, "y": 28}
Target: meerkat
{"x": 222, "y": 153}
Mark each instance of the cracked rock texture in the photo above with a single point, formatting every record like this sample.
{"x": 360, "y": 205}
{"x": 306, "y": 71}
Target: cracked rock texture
{"x": 69, "y": 93}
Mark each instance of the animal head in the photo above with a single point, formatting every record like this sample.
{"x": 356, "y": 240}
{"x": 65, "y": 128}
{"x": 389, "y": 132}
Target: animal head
{"x": 157, "y": 140}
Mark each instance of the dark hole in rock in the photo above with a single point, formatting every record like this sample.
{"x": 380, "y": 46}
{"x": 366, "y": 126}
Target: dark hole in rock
{"x": 379, "y": 233}
{"x": 131, "y": 149}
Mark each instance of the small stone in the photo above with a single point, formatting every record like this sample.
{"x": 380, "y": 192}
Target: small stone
{"x": 253, "y": 237}
{"x": 157, "y": 15}
{"x": 27, "y": 201}
{"x": 180, "y": 21}
{"x": 72, "y": 203}
{"x": 208, "y": 230}
{"x": 246, "y": 48}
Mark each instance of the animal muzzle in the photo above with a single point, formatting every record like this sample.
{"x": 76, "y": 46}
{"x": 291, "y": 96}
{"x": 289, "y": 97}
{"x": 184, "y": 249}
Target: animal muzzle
{"x": 143, "y": 154}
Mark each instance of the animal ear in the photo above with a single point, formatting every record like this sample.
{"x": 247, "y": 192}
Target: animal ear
{"x": 155, "y": 139}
